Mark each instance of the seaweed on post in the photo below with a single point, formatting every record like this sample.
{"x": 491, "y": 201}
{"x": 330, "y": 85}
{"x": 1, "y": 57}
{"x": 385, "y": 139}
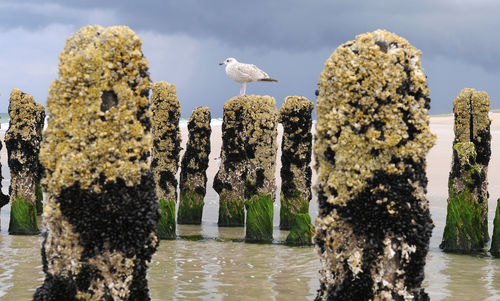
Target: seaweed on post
{"x": 296, "y": 148}
{"x": 229, "y": 182}
{"x": 194, "y": 164}
{"x": 101, "y": 208}
{"x": 372, "y": 137}
{"x": 165, "y": 153}
{"x": 301, "y": 231}
{"x": 260, "y": 183}
{"x": 466, "y": 229}
{"x": 22, "y": 140}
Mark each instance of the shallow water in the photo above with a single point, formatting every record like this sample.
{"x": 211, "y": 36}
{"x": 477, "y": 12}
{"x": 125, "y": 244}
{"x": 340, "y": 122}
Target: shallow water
{"x": 212, "y": 263}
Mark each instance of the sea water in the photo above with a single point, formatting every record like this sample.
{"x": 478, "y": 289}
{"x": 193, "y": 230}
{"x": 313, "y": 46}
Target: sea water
{"x": 208, "y": 262}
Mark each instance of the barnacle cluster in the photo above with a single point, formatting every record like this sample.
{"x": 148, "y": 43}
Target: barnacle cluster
{"x": 260, "y": 187}
{"x": 229, "y": 181}
{"x": 261, "y": 131}
{"x": 193, "y": 176}
{"x": 165, "y": 154}
{"x": 22, "y": 140}
{"x": 166, "y": 139}
{"x": 101, "y": 209}
{"x": 248, "y": 158}
{"x": 296, "y": 147}
{"x": 98, "y": 111}
{"x": 372, "y": 136}
{"x": 466, "y": 227}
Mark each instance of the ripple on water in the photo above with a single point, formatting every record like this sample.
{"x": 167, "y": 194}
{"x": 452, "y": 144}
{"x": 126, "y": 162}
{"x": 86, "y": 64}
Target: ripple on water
{"x": 213, "y": 269}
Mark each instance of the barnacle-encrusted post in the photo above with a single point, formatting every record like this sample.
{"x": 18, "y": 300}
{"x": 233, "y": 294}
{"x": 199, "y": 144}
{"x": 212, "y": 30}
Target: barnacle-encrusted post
{"x": 495, "y": 237}
{"x": 101, "y": 208}
{"x": 165, "y": 154}
{"x": 22, "y": 140}
{"x": 374, "y": 225}
{"x": 296, "y": 147}
{"x": 4, "y": 199}
{"x": 260, "y": 183}
{"x": 466, "y": 227}
{"x": 194, "y": 164}
{"x": 229, "y": 181}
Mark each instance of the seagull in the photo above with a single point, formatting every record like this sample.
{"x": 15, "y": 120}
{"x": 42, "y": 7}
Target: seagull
{"x": 245, "y": 73}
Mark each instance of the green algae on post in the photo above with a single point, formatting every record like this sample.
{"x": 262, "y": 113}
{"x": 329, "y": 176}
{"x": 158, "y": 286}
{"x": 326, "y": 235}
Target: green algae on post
{"x": 22, "y": 140}
{"x": 372, "y": 137}
{"x": 259, "y": 223}
{"x": 302, "y": 230}
{"x": 260, "y": 148}
{"x": 101, "y": 208}
{"x": 466, "y": 229}
{"x": 166, "y": 224}
{"x": 248, "y": 158}
{"x": 165, "y": 153}
{"x": 22, "y": 217}
{"x": 296, "y": 148}
{"x": 194, "y": 164}
{"x": 229, "y": 182}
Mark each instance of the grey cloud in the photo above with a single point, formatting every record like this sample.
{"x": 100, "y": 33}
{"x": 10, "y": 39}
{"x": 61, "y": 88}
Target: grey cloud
{"x": 289, "y": 39}
{"x": 462, "y": 29}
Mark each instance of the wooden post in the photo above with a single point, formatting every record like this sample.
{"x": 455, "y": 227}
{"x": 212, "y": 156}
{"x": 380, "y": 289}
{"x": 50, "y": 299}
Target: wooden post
{"x": 165, "y": 154}
{"x": 22, "y": 140}
{"x": 101, "y": 208}
{"x": 466, "y": 229}
{"x": 193, "y": 178}
{"x": 372, "y": 137}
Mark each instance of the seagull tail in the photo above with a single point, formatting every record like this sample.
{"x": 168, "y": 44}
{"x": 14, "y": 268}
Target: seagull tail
{"x": 268, "y": 80}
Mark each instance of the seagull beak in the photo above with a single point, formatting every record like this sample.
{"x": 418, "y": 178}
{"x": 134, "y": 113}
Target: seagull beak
{"x": 221, "y": 63}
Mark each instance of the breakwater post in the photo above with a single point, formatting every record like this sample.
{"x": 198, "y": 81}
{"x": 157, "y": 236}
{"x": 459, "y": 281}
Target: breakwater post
{"x": 194, "y": 164}
{"x": 4, "y": 199}
{"x": 22, "y": 140}
{"x": 248, "y": 160}
{"x": 372, "y": 137}
{"x": 101, "y": 208}
{"x": 495, "y": 237}
{"x": 466, "y": 227}
{"x": 165, "y": 154}
{"x": 229, "y": 181}
{"x": 260, "y": 182}
{"x": 296, "y": 147}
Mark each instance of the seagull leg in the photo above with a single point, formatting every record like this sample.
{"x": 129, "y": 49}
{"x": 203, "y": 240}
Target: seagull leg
{"x": 241, "y": 88}
{"x": 245, "y": 88}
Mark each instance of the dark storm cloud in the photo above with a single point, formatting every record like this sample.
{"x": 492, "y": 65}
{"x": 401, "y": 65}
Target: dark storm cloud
{"x": 184, "y": 41}
{"x": 462, "y": 29}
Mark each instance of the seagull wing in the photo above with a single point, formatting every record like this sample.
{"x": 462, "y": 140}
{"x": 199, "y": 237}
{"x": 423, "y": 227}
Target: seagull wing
{"x": 251, "y": 72}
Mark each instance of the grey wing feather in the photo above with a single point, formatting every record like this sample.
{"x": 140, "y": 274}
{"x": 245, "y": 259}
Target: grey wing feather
{"x": 252, "y": 72}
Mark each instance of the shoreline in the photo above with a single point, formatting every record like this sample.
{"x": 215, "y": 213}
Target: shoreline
{"x": 438, "y": 160}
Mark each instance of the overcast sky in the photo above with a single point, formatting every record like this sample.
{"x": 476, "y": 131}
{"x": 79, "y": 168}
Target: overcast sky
{"x": 289, "y": 39}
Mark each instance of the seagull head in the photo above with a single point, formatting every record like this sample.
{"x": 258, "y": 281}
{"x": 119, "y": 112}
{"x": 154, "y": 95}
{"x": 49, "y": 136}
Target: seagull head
{"x": 228, "y": 61}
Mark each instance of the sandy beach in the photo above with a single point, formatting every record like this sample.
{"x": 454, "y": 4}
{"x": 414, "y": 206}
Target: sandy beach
{"x": 438, "y": 159}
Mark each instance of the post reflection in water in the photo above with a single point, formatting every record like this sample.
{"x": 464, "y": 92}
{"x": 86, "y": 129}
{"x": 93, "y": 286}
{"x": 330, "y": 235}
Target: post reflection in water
{"x": 209, "y": 262}
{"x": 20, "y": 266}
{"x": 218, "y": 265}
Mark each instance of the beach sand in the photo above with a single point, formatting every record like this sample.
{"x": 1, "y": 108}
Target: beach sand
{"x": 438, "y": 159}
{"x": 217, "y": 265}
